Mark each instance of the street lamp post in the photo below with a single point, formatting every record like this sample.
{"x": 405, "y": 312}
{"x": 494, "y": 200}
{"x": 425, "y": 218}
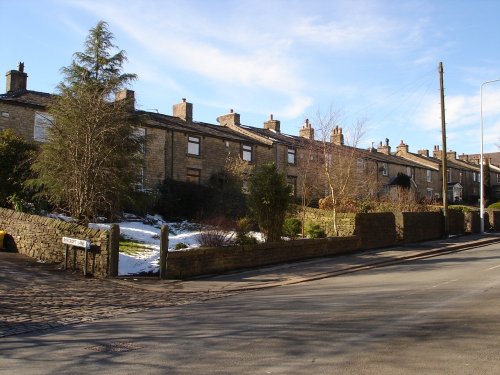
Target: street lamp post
{"x": 481, "y": 161}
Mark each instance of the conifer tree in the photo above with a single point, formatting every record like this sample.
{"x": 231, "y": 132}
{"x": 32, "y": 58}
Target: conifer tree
{"x": 268, "y": 200}
{"x": 92, "y": 156}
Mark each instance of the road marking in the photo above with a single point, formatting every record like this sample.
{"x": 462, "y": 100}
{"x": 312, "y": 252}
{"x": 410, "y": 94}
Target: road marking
{"x": 492, "y": 268}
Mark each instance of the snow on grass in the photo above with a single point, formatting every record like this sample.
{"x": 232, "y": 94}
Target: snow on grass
{"x": 146, "y": 232}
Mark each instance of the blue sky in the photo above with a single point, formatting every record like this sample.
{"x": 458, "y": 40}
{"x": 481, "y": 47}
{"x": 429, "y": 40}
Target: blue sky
{"x": 371, "y": 61}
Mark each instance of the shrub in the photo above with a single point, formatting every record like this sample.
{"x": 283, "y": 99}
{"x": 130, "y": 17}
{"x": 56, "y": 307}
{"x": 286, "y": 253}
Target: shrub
{"x": 217, "y": 232}
{"x": 315, "y": 231}
{"x": 227, "y": 196}
{"x": 141, "y": 203}
{"x": 495, "y": 206}
{"x": 243, "y": 227}
{"x": 268, "y": 200}
{"x": 16, "y": 156}
{"x": 215, "y": 237}
{"x": 180, "y": 200}
{"x": 461, "y": 208}
{"x": 180, "y": 246}
{"x": 292, "y": 227}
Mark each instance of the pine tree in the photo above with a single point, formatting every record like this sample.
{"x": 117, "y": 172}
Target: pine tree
{"x": 92, "y": 158}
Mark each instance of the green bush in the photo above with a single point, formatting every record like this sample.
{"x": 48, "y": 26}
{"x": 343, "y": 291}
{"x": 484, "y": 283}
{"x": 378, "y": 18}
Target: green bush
{"x": 141, "y": 203}
{"x": 495, "y": 206}
{"x": 181, "y": 246}
{"x": 268, "y": 200}
{"x": 315, "y": 231}
{"x": 461, "y": 208}
{"x": 243, "y": 227}
{"x": 16, "y": 156}
{"x": 292, "y": 227}
{"x": 179, "y": 200}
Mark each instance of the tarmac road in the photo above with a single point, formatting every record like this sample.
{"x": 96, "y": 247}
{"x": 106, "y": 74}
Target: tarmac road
{"x": 434, "y": 315}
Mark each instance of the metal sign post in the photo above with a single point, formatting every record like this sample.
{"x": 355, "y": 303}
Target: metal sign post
{"x": 74, "y": 242}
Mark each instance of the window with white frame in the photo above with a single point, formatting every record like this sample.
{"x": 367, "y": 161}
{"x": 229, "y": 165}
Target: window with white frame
{"x": 448, "y": 174}
{"x": 193, "y": 145}
{"x": 247, "y": 153}
{"x": 384, "y": 169}
{"x": 360, "y": 163}
{"x": 461, "y": 177}
{"x": 291, "y": 156}
{"x": 430, "y": 193}
{"x": 292, "y": 182}
{"x": 429, "y": 175}
{"x": 498, "y": 178}
{"x": 139, "y": 186}
{"x": 140, "y": 134}
{"x": 328, "y": 159}
{"x": 43, "y": 121}
{"x": 409, "y": 172}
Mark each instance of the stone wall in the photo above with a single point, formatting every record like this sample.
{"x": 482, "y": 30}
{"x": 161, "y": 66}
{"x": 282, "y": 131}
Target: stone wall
{"x": 375, "y": 229}
{"x": 41, "y": 238}
{"x": 20, "y": 119}
{"x": 418, "y": 226}
{"x": 494, "y": 220}
{"x": 456, "y": 222}
{"x": 183, "y": 264}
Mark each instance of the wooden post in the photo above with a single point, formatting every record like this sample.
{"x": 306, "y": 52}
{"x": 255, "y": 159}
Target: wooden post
{"x": 114, "y": 249}
{"x": 444, "y": 155}
{"x": 163, "y": 251}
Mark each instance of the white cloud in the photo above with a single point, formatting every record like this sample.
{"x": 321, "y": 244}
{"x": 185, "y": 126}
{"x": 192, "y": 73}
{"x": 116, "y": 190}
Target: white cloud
{"x": 246, "y": 59}
{"x": 345, "y": 34}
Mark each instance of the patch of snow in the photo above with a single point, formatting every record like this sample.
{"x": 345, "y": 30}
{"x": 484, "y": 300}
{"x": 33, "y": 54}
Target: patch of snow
{"x": 147, "y": 232}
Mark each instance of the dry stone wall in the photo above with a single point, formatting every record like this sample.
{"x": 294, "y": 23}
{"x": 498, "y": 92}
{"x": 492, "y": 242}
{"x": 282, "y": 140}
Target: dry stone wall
{"x": 183, "y": 264}
{"x": 41, "y": 238}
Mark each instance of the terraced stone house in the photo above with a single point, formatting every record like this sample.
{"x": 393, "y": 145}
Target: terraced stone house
{"x": 183, "y": 149}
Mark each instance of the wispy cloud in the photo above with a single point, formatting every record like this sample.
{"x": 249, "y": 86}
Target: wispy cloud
{"x": 242, "y": 61}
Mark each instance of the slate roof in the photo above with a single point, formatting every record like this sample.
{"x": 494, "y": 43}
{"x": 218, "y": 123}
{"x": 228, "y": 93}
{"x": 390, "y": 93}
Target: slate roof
{"x": 195, "y": 127}
{"x": 292, "y": 140}
{"x": 29, "y": 98}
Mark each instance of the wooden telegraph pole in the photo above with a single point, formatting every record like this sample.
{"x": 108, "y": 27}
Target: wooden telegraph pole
{"x": 444, "y": 154}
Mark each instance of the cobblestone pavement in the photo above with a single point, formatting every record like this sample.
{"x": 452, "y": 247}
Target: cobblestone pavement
{"x": 38, "y": 297}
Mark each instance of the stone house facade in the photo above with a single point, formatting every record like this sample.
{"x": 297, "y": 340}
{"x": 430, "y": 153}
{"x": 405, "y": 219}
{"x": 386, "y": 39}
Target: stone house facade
{"x": 182, "y": 149}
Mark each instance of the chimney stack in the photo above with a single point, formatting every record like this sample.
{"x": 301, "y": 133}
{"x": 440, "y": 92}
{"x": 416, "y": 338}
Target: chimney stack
{"x": 128, "y": 96}
{"x": 231, "y": 119}
{"x": 451, "y": 155}
{"x": 424, "y": 152}
{"x": 16, "y": 80}
{"x": 384, "y": 148}
{"x": 336, "y": 136}
{"x": 464, "y": 157}
{"x": 437, "y": 153}
{"x": 183, "y": 110}
{"x": 307, "y": 130}
{"x": 402, "y": 148}
{"x": 272, "y": 124}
